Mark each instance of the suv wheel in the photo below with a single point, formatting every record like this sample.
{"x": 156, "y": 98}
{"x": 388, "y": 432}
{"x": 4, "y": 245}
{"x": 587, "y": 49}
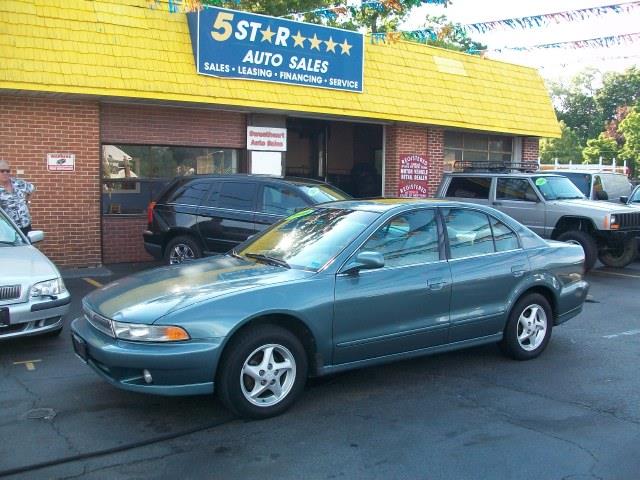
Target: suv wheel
{"x": 262, "y": 372}
{"x": 182, "y": 249}
{"x": 620, "y": 255}
{"x": 587, "y": 243}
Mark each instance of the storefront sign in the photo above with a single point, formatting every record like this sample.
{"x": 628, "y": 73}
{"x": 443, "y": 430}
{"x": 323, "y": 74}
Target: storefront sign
{"x": 267, "y": 138}
{"x": 414, "y": 174}
{"x": 234, "y": 44}
{"x": 61, "y": 162}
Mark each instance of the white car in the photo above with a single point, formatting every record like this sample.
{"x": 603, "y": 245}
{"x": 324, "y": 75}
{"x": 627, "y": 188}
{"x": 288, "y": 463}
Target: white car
{"x": 33, "y": 297}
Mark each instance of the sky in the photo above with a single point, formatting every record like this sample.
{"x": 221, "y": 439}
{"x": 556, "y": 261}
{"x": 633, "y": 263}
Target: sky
{"x": 553, "y": 64}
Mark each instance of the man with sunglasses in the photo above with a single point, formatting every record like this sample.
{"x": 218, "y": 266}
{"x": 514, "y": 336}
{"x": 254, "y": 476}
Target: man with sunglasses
{"x": 14, "y": 197}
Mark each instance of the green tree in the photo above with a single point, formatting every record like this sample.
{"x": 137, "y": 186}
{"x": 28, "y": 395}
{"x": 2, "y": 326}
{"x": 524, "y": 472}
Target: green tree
{"x": 630, "y": 129}
{"x": 618, "y": 90}
{"x": 603, "y": 147}
{"x": 565, "y": 149}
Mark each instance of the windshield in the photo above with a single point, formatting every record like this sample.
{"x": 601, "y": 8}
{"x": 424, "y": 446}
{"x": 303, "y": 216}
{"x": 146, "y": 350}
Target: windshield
{"x": 323, "y": 193}
{"x": 557, "y": 188}
{"x": 308, "y": 239}
{"x": 635, "y": 198}
{"x": 9, "y": 236}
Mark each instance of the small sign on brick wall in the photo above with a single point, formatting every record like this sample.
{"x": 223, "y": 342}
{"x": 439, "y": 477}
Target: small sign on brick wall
{"x": 414, "y": 175}
{"x": 61, "y": 162}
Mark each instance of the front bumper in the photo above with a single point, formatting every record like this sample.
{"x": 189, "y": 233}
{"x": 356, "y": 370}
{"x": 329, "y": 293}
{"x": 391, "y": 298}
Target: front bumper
{"x": 181, "y": 368}
{"x": 35, "y": 317}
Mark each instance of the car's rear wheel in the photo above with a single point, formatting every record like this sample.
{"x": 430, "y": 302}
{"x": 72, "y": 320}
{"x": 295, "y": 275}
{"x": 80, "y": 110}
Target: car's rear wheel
{"x": 181, "y": 249}
{"x": 528, "y": 329}
{"x": 262, "y": 372}
{"x": 620, "y": 255}
{"x": 587, "y": 243}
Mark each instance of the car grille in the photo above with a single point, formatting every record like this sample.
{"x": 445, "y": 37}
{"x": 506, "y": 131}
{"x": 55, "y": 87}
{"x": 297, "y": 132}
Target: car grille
{"x": 10, "y": 292}
{"x": 99, "y": 322}
{"x": 628, "y": 220}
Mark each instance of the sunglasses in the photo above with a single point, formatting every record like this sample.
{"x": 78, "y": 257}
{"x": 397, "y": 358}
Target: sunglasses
{"x": 5, "y": 171}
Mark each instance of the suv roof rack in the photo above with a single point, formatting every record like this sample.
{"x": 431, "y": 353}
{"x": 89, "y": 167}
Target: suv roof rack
{"x": 494, "y": 166}
{"x": 593, "y": 168}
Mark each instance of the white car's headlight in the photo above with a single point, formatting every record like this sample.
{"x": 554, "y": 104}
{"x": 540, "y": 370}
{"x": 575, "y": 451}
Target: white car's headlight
{"x": 50, "y": 287}
{"x": 149, "y": 333}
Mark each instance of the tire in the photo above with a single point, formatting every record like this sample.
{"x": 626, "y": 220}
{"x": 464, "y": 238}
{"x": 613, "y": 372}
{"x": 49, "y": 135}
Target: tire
{"x": 587, "y": 243}
{"x": 533, "y": 313}
{"x": 180, "y": 249}
{"x": 622, "y": 256}
{"x": 244, "y": 363}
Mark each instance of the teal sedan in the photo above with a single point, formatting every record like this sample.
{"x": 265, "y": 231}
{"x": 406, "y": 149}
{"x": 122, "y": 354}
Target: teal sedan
{"x": 340, "y": 286}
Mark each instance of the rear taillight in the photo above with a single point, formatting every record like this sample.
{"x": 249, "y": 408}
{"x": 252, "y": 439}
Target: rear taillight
{"x": 150, "y": 208}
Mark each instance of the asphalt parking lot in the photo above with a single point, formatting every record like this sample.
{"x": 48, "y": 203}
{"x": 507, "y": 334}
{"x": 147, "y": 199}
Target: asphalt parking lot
{"x": 573, "y": 413}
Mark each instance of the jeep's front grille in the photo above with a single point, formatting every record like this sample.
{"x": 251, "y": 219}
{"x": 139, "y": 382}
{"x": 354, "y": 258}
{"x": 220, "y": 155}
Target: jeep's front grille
{"x": 628, "y": 220}
{"x": 99, "y": 322}
{"x": 10, "y": 292}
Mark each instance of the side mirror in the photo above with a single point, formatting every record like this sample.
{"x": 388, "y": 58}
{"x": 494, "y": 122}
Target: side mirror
{"x": 602, "y": 195}
{"x": 35, "y": 236}
{"x": 365, "y": 261}
{"x": 624, "y": 199}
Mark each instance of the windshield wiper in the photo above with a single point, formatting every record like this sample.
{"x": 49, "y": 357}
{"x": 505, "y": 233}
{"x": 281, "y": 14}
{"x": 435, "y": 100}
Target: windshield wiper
{"x": 268, "y": 259}
{"x": 235, "y": 254}
{"x": 6, "y": 242}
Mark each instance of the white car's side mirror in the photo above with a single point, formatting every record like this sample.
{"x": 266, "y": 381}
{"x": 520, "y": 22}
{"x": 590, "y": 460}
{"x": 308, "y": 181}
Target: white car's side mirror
{"x": 35, "y": 236}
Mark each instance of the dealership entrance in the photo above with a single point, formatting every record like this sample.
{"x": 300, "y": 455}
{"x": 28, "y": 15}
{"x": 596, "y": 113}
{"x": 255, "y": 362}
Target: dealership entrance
{"x": 347, "y": 155}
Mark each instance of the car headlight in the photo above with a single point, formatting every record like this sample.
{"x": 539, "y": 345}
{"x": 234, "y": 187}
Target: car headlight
{"x": 49, "y": 287}
{"x": 149, "y": 333}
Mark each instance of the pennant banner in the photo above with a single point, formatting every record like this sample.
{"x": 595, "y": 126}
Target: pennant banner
{"x": 550, "y": 18}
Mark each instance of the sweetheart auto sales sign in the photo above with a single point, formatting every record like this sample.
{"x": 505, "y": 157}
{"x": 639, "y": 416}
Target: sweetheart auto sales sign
{"x": 234, "y": 44}
{"x": 414, "y": 174}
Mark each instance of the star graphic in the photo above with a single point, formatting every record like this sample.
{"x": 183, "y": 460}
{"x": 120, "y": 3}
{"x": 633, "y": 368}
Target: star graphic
{"x": 345, "y": 47}
{"x": 267, "y": 34}
{"x": 315, "y": 42}
{"x": 331, "y": 45}
{"x": 298, "y": 40}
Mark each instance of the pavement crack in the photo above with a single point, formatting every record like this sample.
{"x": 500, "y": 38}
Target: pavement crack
{"x": 63, "y": 436}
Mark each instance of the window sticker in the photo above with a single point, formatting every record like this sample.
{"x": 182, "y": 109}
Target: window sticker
{"x": 541, "y": 181}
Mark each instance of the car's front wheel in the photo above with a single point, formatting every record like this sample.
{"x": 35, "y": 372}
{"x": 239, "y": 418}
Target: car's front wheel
{"x": 528, "y": 329}
{"x": 620, "y": 255}
{"x": 262, "y": 372}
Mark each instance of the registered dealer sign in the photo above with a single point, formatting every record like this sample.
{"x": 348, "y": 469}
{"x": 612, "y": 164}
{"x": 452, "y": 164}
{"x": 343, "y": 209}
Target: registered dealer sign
{"x": 234, "y": 44}
{"x": 61, "y": 162}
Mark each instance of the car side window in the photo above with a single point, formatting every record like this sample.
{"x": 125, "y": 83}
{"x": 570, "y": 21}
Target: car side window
{"x": 469, "y": 232}
{"x": 516, "y": 189}
{"x": 281, "y": 200}
{"x": 237, "y": 196}
{"x": 504, "y": 238}
{"x": 469, "y": 187}
{"x": 408, "y": 239}
{"x": 190, "y": 193}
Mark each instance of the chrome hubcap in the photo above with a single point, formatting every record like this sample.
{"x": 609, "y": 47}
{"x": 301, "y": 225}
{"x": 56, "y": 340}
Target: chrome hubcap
{"x": 532, "y": 327}
{"x": 180, "y": 253}
{"x": 267, "y": 375}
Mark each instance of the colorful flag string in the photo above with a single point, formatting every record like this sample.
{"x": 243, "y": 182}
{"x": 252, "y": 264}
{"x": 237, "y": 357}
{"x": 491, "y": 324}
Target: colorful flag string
{"x": 546, "y": 19}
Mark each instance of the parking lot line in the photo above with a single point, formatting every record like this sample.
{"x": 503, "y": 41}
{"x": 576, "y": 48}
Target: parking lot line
{"x": 30, "y": 364}
{"x": 93, "y": 282}
{"x": 600, "y": 272}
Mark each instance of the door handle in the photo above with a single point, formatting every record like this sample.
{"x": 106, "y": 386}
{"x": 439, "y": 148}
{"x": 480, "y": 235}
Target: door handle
{"x": 436, "y": 284}
{"x": 518, "y": 270}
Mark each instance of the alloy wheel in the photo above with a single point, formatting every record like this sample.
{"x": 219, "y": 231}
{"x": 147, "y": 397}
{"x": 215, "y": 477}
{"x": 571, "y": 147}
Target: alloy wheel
{"x": 180, "y": 253}
{"x": 268, "y": 375}
{"x": 532, "y": 327}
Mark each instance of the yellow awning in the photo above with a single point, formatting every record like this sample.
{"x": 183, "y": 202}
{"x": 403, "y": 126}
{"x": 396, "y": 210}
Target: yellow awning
{"x": 126, "y": 49}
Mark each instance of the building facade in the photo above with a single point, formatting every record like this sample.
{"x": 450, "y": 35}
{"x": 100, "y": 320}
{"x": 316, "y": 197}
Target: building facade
{"x": 112, "y": 86}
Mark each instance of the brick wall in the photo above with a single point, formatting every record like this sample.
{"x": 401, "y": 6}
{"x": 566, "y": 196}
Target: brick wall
{"x": 172, "y": 126}
{"x": 66, "y": 205}
{"x": 402, "y": 140}
{"x": 530, "y": 149}
{"x": 140, "y": 124}
{"x": 122, "y": 239}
